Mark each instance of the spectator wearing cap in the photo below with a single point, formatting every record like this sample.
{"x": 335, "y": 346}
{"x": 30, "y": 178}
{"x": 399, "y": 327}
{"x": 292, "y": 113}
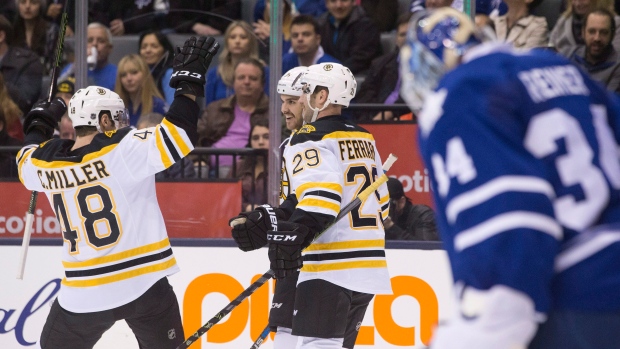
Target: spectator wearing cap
{"x": 406, "y": 220}
{"x": 65, "y": 90}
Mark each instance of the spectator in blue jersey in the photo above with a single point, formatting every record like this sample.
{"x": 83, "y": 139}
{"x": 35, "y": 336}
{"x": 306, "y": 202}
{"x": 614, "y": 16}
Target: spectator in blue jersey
{"x": 382, "y": 83}
{"x": 99, "y": 46}
{"x": 406, "y": 220}
{"x": 226, "y": 123}
{"x": 599, "y": 57}
{"x": 306, "y": 43}
{"x": 348, "y": 34}
{"x": 566, "y": 35}
{"x": 239, "y": 43}
{"x": 521, "y": 149}
{"x": 313, "y": 8}
{"x": 519, "y": 27}
{"x": 21, "y": 68}
{"x": 137, "y": 89}
{"x": 157, "y": 51}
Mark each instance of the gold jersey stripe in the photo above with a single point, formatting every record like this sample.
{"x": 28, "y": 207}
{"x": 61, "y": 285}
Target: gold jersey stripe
{"x": 318, "y": 185}
{"x": 121, "y": 276}
{"x": 314, "y": 202}
{"x": 119, "y": 256}
{"x": 385, "y": 214}
{"x": 316, "y": 268}
{"x": 349, "y": 135}
{"x": 174, "y": 132}
{"x": 86, "y": 158}
{"x": 346, "y": 245}
{"x": 384, "y": 199}
{"x": 165, "y": 159}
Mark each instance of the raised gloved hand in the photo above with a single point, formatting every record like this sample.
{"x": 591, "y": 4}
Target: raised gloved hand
{"x": 45, "y": 116}
{"x": 190, "y": 65}
{"x": 285, "y": 247}
{"x": 250, "y": 228}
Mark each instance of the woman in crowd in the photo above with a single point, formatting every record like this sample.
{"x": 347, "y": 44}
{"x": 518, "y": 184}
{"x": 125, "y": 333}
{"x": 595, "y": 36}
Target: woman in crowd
{"x": 519, "y": 27}
{"x": 239, "y": 43}
{"x": 262, "y": 28}
{"x": 252, "y": 170}
{"x": 157, "y": 52}
{"x": 10, "y": 112}
{"x": 33, "y": 31}
{"x": 135, "y": 85}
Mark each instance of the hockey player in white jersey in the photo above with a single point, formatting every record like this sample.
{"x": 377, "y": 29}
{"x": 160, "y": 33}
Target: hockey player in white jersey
{"x": 522, "y": 150}
{"x": 116, "y": 252}
{"x": 327, "y": 163}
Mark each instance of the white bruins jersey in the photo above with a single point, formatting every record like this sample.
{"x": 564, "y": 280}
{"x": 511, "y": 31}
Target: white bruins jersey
{"x": 103, "y": 194}
{"x": 327, "y": 164}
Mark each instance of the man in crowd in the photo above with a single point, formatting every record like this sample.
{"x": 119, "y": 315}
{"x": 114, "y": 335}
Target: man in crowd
{"x": 226, "y": 123}
{"x": 406, "y": 220}
{"x": 306, "y": 45}
{"x": 349, "y": 35}
{"x": 21, "y": 68}
{"x": 99, "y": 46}
{"x": 598, "y": 56}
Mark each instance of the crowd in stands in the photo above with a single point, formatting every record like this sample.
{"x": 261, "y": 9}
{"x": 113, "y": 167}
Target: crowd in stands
{"x": 350, "y": 32}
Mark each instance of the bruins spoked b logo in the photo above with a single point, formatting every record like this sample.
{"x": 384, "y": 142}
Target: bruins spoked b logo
{"x": 101, "y": 91}
{"x": 328, "y": 67}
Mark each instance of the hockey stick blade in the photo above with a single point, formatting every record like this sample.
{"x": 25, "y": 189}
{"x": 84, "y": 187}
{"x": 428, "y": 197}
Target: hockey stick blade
{"x": 227, "y": 309}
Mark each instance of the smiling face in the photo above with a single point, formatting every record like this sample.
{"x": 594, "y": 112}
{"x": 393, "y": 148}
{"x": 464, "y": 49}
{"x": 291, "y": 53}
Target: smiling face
{"x": 238, "y": 41}
{"x": 150, "y": 49}
{"x": 291, "y": 111}
{"x": 131, "y": 78}
{"x": 581, "y": 7}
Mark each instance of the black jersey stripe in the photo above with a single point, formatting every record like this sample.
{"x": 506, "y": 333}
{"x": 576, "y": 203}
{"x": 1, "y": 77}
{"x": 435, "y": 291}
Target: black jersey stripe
{"x": 173, "y": 151}
{"x": 343, "y": 255}
{"x": 120, "y": 266}
{"x": 385, "y": 207}
{"x": 325, "y": 194}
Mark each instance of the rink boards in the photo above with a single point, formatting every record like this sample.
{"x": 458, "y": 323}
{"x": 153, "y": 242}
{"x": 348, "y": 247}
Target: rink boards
{"x": 214, "y": 273}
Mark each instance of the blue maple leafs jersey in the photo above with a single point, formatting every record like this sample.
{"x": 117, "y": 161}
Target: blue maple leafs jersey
{"x": 522, "y": 148}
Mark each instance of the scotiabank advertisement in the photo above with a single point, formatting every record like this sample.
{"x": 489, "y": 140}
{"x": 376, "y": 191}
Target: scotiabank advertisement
{"x": 211, "y": 277}
{"x": 400, "y": 139}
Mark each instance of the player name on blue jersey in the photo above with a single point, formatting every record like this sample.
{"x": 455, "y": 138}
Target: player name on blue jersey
{"x": 546, "y": 83}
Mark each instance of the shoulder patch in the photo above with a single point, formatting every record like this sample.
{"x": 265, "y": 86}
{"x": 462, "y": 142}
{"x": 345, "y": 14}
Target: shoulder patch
{"x": 110, "y": 133}
{"x": 307, "y": 129}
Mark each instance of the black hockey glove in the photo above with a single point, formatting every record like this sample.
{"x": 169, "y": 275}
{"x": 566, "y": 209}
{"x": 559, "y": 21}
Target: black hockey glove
{"x": 285, "y": 247}
{"x": 45, "y": 116}
{"x": 190, "y": 65}
{"x": 250, "y": 228}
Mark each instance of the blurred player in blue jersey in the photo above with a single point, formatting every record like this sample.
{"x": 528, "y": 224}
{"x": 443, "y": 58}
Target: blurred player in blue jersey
{"x": 522, "y": 148}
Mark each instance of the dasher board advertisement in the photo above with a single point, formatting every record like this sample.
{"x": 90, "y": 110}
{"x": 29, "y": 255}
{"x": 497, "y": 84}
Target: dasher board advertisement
{"x": 211, "y": 277}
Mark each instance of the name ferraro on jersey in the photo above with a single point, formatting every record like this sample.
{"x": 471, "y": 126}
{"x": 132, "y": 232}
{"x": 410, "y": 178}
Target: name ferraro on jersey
{"x": 356, "y": 149}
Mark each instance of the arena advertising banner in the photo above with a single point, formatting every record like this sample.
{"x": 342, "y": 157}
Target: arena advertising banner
{"x": 400, "y": 139}
{"x": 211, "y": 277}
{"x": 189, "y": 209}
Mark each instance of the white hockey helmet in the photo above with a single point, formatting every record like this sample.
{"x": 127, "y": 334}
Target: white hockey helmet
{"x": 337, "y": 78}
{"x": 86, "y": 105}
{"x": 288, "y": 82}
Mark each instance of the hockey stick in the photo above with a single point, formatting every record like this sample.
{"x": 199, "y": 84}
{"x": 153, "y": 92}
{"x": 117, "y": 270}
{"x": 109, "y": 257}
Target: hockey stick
{"x": 348, "y": 208}
{"x": 261, "y": 338}
{"x": 227, "y": 309}
{"x": 33, "y": 196}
